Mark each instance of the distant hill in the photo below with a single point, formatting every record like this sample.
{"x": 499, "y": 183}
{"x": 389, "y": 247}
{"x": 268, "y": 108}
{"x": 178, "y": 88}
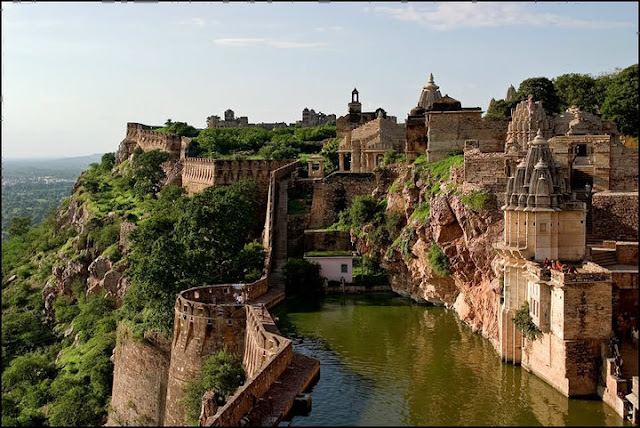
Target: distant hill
{"x": 28, "y": 167}
{"x": 31, "y": 187}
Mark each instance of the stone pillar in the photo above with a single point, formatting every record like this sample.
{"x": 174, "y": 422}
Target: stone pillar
{"x": 341, "y": 160}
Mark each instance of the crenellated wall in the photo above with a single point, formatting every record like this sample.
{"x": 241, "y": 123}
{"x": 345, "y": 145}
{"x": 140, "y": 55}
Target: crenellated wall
{"x": 147, "y": 139}
{"x": 199, "y": 173}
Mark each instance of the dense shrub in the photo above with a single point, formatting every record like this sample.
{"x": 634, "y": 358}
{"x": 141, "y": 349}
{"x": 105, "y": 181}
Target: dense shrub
{"x": 438, "y": 260}
{"x": 302, "y": 276}
{"x": 477, "y": 200}
{"x": 523, "y": 322}
{"x": 223, "y": 373}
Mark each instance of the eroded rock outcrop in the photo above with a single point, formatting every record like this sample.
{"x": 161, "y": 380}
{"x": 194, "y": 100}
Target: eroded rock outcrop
{"x": 464, "y": 235}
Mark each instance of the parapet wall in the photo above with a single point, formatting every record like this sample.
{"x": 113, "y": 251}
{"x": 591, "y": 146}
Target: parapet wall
{"x": 337, "y": 191}
{"x": 615, "y": 215}
{"x": 266, "y": 357}
{"x": 148, "y": 140}
{"x": 199, "y": 173}
{"x": 272, "y": 203}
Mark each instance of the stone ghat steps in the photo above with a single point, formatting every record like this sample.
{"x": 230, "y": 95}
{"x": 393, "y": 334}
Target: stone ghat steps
{"x": 603, "y": 257}
{"x": 278, "y": 400}
{"x": 593, "y": 241}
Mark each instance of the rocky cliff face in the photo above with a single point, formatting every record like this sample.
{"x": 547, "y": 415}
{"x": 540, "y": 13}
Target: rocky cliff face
{"x": 472, "y": 289}
{"x": 96, "y": 273}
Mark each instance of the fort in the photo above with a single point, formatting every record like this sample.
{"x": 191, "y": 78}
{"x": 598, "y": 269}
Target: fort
{"x": 567, "y": 189}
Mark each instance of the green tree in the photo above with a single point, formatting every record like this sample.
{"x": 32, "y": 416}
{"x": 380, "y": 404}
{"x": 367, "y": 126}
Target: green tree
{"x": 542, "y": 89}
{"x": 498, "y": 109}
{"x": 621, "y": 101}
{"x": 579, "y": 90}
{"x": 108, "y": 160}
{"x": 19, "y": 226}
{"x": 223, "y": 373}
{"x": 148, "y": 173}
{"x": 302, "y": 276}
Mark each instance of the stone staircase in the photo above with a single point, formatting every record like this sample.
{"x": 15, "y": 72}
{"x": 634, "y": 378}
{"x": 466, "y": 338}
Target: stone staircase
{"x": 279, "y": 251}
{"x": 593, "y": 241}
{"x": 603, "y": 257}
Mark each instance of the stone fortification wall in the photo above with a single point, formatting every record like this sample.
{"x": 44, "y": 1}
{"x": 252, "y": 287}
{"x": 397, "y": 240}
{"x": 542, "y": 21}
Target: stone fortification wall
{"x": 448, "y": 131}
{"x": 327, "y": 240}
{"x": 266, "y": 357}
{"x": 199, "y": 173}
{"x": 148, "y": 139}
{"x": 200, "y": 328}
{"x": 272, "y": 204}
{"x": 624, "y": 169}
{"x": 336, "y": 193}
{"x": 141, "y": 368}
{"x": 615, "y": 215}
{"x": 627, "y": 253}
{"x": 485, "y": 171}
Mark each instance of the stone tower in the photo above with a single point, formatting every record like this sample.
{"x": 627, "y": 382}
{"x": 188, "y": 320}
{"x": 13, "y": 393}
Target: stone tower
{"x": 354, "y": 106}
{"x": 430, "y": 93}
{"x": 541, "y": 221}
{"x": 206, "y": 319}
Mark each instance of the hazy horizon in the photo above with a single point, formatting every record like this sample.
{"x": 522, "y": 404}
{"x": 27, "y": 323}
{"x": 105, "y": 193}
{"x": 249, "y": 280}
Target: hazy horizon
{"x": 74, "y": 74}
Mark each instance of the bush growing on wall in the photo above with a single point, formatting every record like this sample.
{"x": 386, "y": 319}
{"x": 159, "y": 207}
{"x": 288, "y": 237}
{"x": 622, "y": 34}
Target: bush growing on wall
{"x": 523, "y": 322}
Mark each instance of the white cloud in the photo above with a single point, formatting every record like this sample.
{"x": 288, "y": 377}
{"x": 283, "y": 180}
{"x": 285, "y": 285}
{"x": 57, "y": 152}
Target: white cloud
{"x": 448, "y": 16}
{"x": 281, "y": 44}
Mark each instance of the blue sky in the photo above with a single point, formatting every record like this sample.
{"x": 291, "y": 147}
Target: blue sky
{"x": 73, "y": 74}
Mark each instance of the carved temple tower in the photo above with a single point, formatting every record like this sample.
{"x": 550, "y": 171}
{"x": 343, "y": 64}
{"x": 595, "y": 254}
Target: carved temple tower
{"x": 570, "y": 308}
{"x": 540, "y": 222}
{"x": 430, "y": 93}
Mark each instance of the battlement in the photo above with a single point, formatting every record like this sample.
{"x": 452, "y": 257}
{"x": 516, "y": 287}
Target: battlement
{"x": 199, "y": 173}
{"x": 147, "y": 139}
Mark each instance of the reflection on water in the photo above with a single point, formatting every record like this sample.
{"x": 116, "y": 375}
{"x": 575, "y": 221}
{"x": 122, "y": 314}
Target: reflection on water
{"x": 386, "y": 360}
